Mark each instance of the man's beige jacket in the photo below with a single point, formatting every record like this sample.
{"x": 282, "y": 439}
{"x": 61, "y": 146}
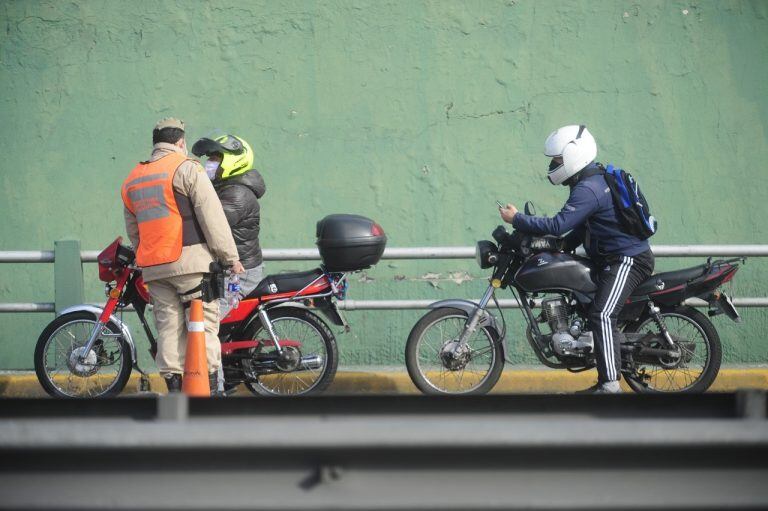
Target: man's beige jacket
{"x": 190, "y": 180}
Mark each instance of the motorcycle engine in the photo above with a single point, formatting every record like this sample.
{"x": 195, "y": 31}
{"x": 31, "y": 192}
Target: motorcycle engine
{"x": 567, "y": 336}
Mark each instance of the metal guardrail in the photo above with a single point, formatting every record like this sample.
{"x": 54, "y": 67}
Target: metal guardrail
{"x": 387, "y": 452}
{"x": 312, "y": 254}
{"x": 504, "y": 303}
{"x": 351, "y": 305}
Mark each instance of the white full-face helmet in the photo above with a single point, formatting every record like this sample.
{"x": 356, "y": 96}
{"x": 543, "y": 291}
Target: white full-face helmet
{"x": 575, "y": 145}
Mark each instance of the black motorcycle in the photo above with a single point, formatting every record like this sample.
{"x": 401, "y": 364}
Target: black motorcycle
{"x": 459, "y": 347}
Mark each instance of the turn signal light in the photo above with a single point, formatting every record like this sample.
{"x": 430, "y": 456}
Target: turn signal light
{"x": 496, "y": 283}
{"x": 114, "y": 293}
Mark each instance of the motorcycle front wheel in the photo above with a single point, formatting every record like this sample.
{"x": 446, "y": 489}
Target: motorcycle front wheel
{"x": 64, "y": 370}
{"x": 437, "y": 365}
{"x": 700, "y": 355}
{"x": 314, "y": 352}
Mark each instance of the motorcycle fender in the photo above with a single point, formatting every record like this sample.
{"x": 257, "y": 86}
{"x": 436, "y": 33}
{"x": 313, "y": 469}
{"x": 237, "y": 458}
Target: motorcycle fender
{"x": 97, "y": 311}
{"x": 330, "y": 312}
{"x": 488, "y": 318}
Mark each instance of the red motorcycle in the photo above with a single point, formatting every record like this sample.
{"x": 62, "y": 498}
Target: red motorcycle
{"x": 274, "y": 342}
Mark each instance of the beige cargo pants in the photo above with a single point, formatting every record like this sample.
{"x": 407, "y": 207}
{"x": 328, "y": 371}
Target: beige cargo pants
{"x": 171, "y": 321}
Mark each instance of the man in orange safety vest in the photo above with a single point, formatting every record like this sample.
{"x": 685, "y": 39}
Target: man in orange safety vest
{"x": 178, "y": 228}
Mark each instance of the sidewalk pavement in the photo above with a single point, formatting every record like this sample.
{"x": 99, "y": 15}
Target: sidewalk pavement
{"x": 17, "y": 384}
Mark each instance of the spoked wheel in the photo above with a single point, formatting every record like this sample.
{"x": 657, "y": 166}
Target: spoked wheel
{"x": 65, "y": 370}
{"x": 694, "y": 368}
{"x": 310, "y": 356}
{"x": 437, "y": 365}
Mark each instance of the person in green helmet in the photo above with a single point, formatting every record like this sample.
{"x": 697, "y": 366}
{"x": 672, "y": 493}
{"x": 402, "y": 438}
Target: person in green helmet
{"x": 239, "y": 187}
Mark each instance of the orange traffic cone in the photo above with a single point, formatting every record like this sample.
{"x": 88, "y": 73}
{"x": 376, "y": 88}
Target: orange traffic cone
{"x": 195, "y": 382}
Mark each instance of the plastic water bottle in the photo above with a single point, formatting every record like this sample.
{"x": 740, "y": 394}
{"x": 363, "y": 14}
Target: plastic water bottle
{"x": 233, "y": 291}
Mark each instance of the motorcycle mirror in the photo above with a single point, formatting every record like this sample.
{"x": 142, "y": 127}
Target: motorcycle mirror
{"x": 530, "y": 209}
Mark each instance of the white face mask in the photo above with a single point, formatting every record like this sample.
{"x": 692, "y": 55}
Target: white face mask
{"x": 210, "y": 168}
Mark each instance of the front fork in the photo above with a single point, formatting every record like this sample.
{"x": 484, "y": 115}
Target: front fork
{"x": 471, "y": 325}
{"x": 101, "y": 323}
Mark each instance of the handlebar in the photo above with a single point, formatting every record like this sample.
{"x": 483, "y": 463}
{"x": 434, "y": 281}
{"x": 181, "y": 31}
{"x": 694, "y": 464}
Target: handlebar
{"x": 526, "y": 244}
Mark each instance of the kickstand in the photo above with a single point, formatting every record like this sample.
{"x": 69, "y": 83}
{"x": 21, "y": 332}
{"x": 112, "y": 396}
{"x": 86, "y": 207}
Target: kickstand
{"x": 144, "y": 385}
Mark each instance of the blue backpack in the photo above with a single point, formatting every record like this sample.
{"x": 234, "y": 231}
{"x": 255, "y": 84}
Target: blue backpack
{"x": 630, "y": 204}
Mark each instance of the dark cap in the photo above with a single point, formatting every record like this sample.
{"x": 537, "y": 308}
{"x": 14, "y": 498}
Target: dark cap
{"x": 169, "y": 122}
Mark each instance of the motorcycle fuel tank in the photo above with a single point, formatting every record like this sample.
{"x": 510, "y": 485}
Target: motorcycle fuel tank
{"x": 548, "y": 271}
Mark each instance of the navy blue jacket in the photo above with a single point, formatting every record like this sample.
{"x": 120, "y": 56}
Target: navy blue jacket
{"x": 590, "y": 217}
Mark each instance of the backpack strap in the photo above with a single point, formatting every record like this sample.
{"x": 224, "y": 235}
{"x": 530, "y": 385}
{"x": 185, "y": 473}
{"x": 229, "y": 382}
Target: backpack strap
{"x": 594, "y": 171}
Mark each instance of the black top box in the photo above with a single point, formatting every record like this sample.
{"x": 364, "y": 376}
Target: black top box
{"x": 349, "y": 242}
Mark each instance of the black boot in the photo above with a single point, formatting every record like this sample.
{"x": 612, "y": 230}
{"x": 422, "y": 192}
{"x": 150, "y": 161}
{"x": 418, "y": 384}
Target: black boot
{"x": 173, "y": 382}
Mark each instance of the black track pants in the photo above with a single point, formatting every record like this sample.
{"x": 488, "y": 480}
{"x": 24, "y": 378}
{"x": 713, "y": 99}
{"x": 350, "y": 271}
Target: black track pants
{"x": 618, "y": 277}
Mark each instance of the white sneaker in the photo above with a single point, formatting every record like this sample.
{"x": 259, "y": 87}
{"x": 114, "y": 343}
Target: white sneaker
{"x": 609, "y": 387}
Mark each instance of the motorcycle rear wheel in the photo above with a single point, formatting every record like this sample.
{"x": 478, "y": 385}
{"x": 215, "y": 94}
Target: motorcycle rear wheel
{"x": 315, "y": 338}
{"x": 105, "y": 370}
{"x": 692, "y": 376}
{"x": 428, "y": 339}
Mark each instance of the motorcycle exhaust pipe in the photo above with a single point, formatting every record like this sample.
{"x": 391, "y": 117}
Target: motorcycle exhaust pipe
{"x": 311, "y": 362}
{"x": 658, "y": 352}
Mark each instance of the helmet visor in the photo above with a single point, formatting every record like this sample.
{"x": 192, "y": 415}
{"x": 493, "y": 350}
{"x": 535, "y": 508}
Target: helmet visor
{"x": 217, "y": 142}
{"x": 554, "y": 165}
{"x": 206, "y": 147}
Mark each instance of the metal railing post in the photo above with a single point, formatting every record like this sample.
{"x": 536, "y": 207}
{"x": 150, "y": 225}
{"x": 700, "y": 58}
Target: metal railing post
{"x": 68, "y": 274}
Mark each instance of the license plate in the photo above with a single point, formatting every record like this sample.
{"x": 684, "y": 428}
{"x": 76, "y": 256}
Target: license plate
{"x": 725, "y": 304}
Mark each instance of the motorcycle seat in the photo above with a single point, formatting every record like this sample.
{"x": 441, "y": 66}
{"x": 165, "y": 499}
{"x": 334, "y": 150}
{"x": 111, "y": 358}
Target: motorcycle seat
{"x": 284, "y": 283}
{"x": 669, "y": 279}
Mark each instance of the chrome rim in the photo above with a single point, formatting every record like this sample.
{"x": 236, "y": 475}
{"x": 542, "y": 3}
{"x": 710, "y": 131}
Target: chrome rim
{"x": 96, "y": 375}
{"x": 441, "y": 333}
{"x": 694, "y": 359}
{"x": 312, "y": 343}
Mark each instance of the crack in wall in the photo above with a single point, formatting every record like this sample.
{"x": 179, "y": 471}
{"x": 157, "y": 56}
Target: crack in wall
{"x": 491, "y": 114}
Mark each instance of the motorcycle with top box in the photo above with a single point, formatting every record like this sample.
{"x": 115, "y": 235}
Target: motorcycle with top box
{"x": 276, "y": 341}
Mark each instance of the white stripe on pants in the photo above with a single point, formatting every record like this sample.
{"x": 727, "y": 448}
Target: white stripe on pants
{"x": 605, "y": 317}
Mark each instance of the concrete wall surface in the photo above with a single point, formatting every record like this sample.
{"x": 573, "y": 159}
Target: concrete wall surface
{"x": 418, "y": 114}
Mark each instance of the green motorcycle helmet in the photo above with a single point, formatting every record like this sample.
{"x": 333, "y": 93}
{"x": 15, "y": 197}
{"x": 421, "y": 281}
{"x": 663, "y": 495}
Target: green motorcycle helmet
{"x": 237, "y": 155}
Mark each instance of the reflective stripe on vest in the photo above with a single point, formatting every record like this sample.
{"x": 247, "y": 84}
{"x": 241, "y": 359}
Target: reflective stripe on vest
{"x": 148, "y": 194}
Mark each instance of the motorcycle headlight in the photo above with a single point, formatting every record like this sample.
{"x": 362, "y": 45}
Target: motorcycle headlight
{"x": 486, "y": 254}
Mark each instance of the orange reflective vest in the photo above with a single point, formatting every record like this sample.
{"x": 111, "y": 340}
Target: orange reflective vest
{"x": 148, "y": 194}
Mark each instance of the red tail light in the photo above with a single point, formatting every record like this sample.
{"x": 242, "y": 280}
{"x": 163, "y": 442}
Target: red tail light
{"x": 376, "y": 230}
{"x": 730, "y": 275}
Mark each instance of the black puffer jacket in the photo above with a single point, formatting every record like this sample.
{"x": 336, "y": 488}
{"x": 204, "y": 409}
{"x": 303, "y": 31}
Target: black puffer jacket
{"x": 239, "y": 197}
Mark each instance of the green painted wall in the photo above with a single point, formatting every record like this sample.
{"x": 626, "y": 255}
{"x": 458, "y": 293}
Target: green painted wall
{"x": 416, "y": 113}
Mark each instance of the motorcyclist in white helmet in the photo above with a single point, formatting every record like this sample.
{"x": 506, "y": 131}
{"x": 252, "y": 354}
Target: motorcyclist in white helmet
{"x": 622, "y": 260}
